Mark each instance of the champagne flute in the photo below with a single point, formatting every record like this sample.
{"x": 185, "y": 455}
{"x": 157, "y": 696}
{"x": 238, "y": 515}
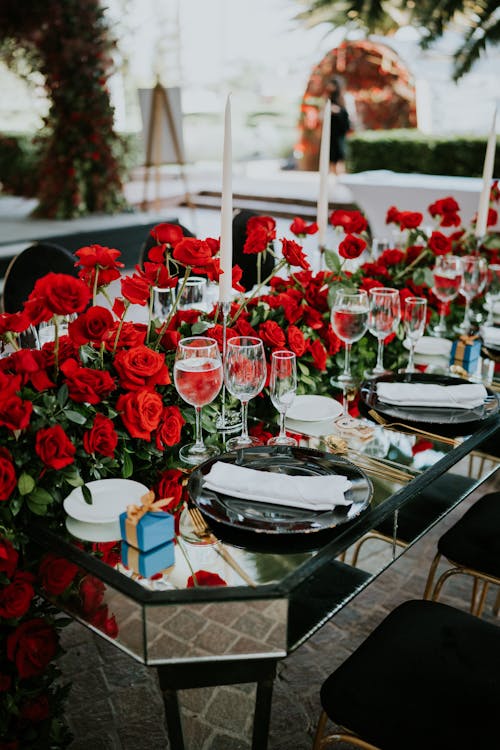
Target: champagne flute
{"x": 198, "y": 380}
{"x": 383, "y": 319}
{"x": 447, "y": 273}
{"x": 283, "y": 386}
{"x": 475, "y": 274}
{"x": 350, "y": 323}
{"x": 244, "y": 377}
{"x": 493, "y": 293}
{"x": 414, "y": 321}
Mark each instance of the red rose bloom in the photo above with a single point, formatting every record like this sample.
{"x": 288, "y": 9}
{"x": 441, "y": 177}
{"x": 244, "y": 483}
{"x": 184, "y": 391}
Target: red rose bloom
{"x": 410, "y": 219}
{"x": 56, "y": 574}
{"x": 91, "y": 591}
{"x": 8, "y": 557}
{"x": 8, "y": 483}
{"x": 101, "y": 261}
{"x": 131, "y": 334}
{"x": 170, "y": 339}
{"x": 193, "y": 252}
{"x": 271, "y": 334}
{"x": 167, "y": 234}
{"x": 92, "y": 325}
{"x": 141, "y": 367}
{"x": 16, "y": 322}
{"x": 351, "y": 246}
{"x": 60, "y": 294}
{"x": 36, "y": 709}
{"x": 392, "y": 216}
{"x": 15, "y": 414}
{"x": 170, "y": 485}
{"x": 367, "y": 283}
{"x": 32, "y": 646}
{"x": 391, "y": 257}
{"x": 156, "y": 274}
{"x": 447, "y": 209}
{"x": 352, "y": 222}
{"x": 102, "y": 620}
{"x": 292, "y": 252}
{"x": 204, "y": 578}
{"x": 102, "y": 438}
{"x": 54, "y": 448}
{"x": 15, "y": 598}
{"x": 332, "y": 342}
{"x": 300, "y": 228}
{"x": 141, "y": 412}
{"x": 170, "y": 428}
{"x": 439, "y": 243}
{"x": 136, "y": 289}
{"x": 319, "y": 355}
{"x": 86, "y": 385}
{"x": 31, "y": 365}
{"x": 296, "y": 341}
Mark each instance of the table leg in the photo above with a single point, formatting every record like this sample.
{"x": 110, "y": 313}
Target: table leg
{"x": 262, "y": 714}
{"x": 173, "y": 719}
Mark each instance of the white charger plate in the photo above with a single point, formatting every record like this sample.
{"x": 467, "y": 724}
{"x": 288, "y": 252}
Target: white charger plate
{"x": 93, "y": 532}
{"x": 314, "y": 409}
{"x": 110, "y": 497}
{"x": 431, "y": 346}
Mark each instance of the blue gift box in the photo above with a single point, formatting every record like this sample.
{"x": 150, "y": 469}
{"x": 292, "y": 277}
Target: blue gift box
{"x": 465, "y": 353}
{"x": 151, "y": 530}
{"x": 148, "y": 563}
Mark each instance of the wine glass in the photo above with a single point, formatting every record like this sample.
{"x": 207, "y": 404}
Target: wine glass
{"x": 414, "y": 321}
{"x": 475, "y": 274}
{"x": 383, "y": 319}
{"x": 447, "y": 273}
{"x": 198, "y": 380}
{"x": 244, "y": 377}
{"x": 493, "y": 293}
{"x": 350, "y": 323}
{"x": 283, "y": 386}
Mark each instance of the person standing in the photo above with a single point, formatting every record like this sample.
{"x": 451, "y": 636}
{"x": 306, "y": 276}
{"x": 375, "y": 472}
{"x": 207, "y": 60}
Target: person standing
{"x": 340, "y": 126}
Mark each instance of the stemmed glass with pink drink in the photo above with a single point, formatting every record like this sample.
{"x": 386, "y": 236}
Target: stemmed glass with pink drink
{"x": 448, "y": 274}
{"x": 198, "y": 380}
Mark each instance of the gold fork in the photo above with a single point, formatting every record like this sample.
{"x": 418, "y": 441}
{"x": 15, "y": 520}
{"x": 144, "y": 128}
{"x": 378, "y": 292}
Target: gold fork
{"x": 389, "y": 425}
{"x": 202, "y": 530}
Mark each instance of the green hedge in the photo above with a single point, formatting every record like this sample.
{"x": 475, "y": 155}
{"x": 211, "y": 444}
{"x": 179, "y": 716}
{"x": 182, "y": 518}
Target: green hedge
{"x": 412, "y": 151}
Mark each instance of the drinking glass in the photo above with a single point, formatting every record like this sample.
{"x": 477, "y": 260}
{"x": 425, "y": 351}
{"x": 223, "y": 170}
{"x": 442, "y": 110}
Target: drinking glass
{"x": 283, "y": 385}
{"x": 447, "y": 273}
{"x": 350, "y": 323}
{"x": 163, "y": 300}
{"x": 475, "y": 274}
{"x": 414, "y": 321}
{"x": 198, "y": 380}
{"x": 383, "y": 319}
{"x": 193, "y": 296}
{"x": 493, "y": 292}
{"x": 244, "y": 377}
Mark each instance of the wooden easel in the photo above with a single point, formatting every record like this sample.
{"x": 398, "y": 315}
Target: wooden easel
{"x": 161, "y": 124}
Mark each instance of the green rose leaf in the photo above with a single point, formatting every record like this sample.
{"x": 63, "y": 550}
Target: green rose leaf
{"x": 87, "y": 495}
{"x": 62, "y": 395}
{"x": 332, "y": 261}
{"x": 25, "y": 484}
{"x": 75, "y": 416}
{"x": 128, "y": 466}
{"x": 39, "y": 496}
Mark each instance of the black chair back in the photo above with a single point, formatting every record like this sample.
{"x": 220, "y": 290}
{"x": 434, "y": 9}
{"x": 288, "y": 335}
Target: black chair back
{"x": 248, "y": 262}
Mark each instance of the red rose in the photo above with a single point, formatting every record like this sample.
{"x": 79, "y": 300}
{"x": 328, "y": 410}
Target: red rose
{"x": 15, "y": 598}
{"x": 312, "y": 317}
{"x": 391, "y": 257}
{"x": 242, "y": 328}
{"x": 66, "y": 350}
{"x": 256, "y": 241}
{"x": 15, "y": 414}
{"x": 392, "y": 216}
{"x": 32, "y": 646}
{"x": 236, "y": 275}
{"x": 91, "y": 590}
{"x": 136, "y": 289}
{"x": 16, "y": 322}
{"x": 352, "y": 222}
{"x": 170, "y": 428}
{"x": 54, "y": 448}
{"x": 156, "y": 274}
{"x": 131, "y": 334}
{"x": 167, "y": 234}
{"x": 101, "y": 261}
{"x": 367, "y": 283}
{"x": 296, "y": 341}
{"x": 36, "y": 709}
{"x": 439, "y": 243}
{"x": 332, "y": 341}
{"x": 60, "y": 294}
{"x": 300, "y": 228}
{"x": 101, "y": 438}
{"x": 86, "y": 385}
{"x": 447, "y": 209}
{"x": 204, "y": 578}
{"x": 8, "y": 483}
{"x": 56, "y": 574}
{"x": 292, "y": 252}
{"x": 410, "y": 219}
{"x": 351, "y": 246}
{"x": 319, "y": 355}
{"x": 109, "y": 552}
{"x": 141, "y": 367}
{"x": 271, "y": 334}
{"x": 170, "y": 339}
{"x": 193, "y": 252}
{"x": 492, "y": 217}
{"x": 141, "y": 412}
{"x": 31, "y": 365}
{"x": 92, "y": 325}
{"x": 103, "y": 621}
{"x": 258, "y": 431}
{"x": 216, "y": 332}
{"x": 171, "y": 485}
{"x": 8, "y": 557}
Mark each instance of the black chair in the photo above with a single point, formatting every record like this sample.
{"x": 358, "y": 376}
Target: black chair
{"x": 427, "y": 678}
{"x": 29, "y": 266}
{"x": 248, "y": 261}
{"x": 472, "y": 548}
{"x": 151, "y": 242}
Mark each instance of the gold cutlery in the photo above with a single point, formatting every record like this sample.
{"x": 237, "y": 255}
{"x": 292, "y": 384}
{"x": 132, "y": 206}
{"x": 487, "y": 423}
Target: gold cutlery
{"x": 383, "y": 468}
{"x": 392, "y": 425}
{"x": 202, "y": 531}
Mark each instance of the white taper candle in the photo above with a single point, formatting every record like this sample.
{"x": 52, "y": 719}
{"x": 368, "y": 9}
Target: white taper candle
{"x": 484, "y": 198}
{"x": 226, "y": 232}
{"x": 324, "y": 170}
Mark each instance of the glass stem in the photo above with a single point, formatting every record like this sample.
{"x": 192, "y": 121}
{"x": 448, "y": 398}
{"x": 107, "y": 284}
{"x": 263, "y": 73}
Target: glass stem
{"x": 198, "y": 440}
{"x": 345, "y": 403}
{"x": 282, "y": 424}
{"x": 411, "y": 366}
{"x": 244, "y": 419}
{"x": 466, "y": 323}
{"x": 380, "y": 355}
{"x": 347, "y": 360}
{"x": 442, "y": 324}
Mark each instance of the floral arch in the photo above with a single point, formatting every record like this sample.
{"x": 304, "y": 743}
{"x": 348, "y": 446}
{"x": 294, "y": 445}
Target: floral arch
{"x": 381, "y": 85}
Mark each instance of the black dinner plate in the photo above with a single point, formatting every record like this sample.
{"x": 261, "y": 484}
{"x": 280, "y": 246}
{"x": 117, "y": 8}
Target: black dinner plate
{"x": 446, "y": 421}
{"x": 263, "y": 518}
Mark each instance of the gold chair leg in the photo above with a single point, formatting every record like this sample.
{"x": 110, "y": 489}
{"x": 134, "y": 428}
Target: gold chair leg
{"x": 496, "y": 606}
{"x": 441, "y": 581}
{"x": 480, "y": 605}
{"x": 321, "y": 742}
{"x": 320, "y": 730}
{"x": 430, "y": 577}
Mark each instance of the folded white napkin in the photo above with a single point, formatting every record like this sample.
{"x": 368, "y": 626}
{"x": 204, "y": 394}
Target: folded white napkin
{"x": 465, "y": 396}
{"x": 312, "y": 493}
{"x": 491, "y": 336}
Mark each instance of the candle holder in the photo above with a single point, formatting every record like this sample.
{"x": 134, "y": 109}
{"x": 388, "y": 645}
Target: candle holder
{"x": 229, "y": 420}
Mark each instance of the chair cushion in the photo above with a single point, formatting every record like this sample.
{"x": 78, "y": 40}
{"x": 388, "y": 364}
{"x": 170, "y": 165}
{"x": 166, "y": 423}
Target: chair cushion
{"x": 473, "y": 541}
{"x": 428, "y": 677}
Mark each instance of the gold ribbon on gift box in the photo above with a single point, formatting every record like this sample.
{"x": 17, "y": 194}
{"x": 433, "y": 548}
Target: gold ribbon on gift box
{"x": 463, "y": 342}
{"x": 136, "y": 512}
{"x": 133, "y": 562}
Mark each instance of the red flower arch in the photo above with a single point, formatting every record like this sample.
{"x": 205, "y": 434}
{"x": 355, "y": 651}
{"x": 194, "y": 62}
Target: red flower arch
{"x": 382, "y": 87}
